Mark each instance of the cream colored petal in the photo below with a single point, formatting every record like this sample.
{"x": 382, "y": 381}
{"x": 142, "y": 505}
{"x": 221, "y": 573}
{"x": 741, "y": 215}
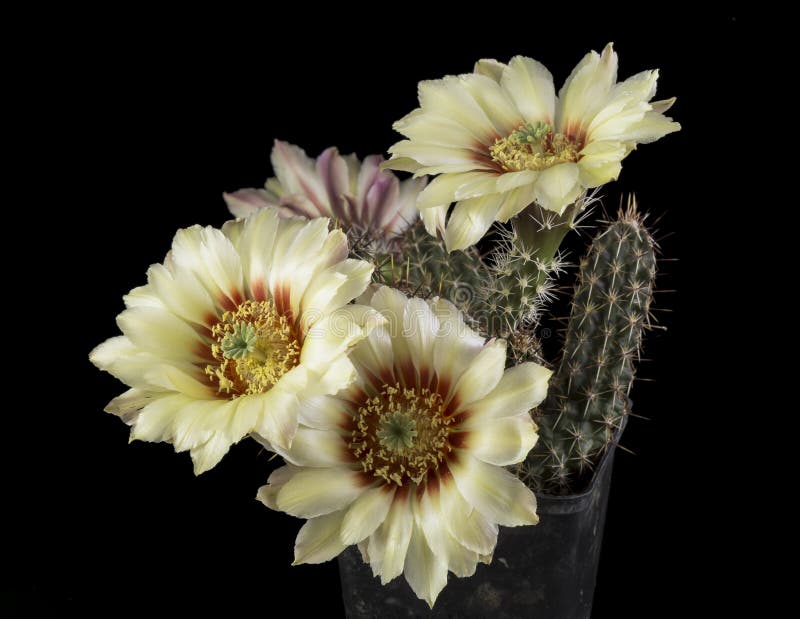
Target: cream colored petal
{"x": 441, "y": 190}
{"x": 268, "y": 494}
{"x": 323, "y": 413}
{"x": 515, "y": 201}
{"x": 470, "y": 220}
{"x": 586, "y": 90}
{"x": 600, "y": 163}
{"x": 504, "y": 441}
{"x": 391, "y": 304}
{"x": 490, "y": 68}
{"x": 615, "y": 126}
{"x": 495, "y": 102}
{"x": 367, "y": 513}
{"x": 374, "y": 356}
{"x": 652, "y": 127}
{"x": 456, "y": 344}
{"x": 448, "y": 97}
{"x": 339, "y": 374}
{"x": 143, "y": 296}
{"x": 316, "y": 448}
{"x": 521, "y": 388}
{"x": 429, "y": 128}
{"x": 128, "y": 405}
{"x": 319, "y": 491}
{"x": 199, "y": 421}
{"x": 255, "y": 246}
{"x": 558, "y": 187}
{"x": 496, "y": 493}
{"x": 420, "y": 327}
{"x": 434, "y": 219}
{"x": 453, "y": 168}
{"x": 206, "y": 456}
{"x": 484, "y": 184}
{"x": 659, "y": 107}
{"x": 182, "y": 294}
{"x": 482, "y": 374}
{"x": 402, "y": 164}
{"x": 425, "y": 572}
{"x": 161, "y": 333}
{"x": 318, "y": 539}
{"x": 222, "y": 262}
{"x": 389, "y": 543}
{"x": 333, "y": 287}
{"x": 330, "y": 337}
{"x": 278, "y": 420}
{"x": 530, "y": 86}
{"x": 467, "y": 525}
{"x": 512, "y": 180}
{"x": 167, "y": 377}
{"x": 429, "y": 154}
{"x": 431, "y": 520}
{"x": 296, "y": 260}
{"x": 155, "y": 421}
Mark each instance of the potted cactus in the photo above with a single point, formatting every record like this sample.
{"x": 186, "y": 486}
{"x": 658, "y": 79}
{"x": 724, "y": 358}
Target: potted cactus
{"x": 348, "y": 322}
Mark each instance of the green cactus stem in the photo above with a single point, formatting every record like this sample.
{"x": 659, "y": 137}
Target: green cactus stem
{"x": 588, "y": 395}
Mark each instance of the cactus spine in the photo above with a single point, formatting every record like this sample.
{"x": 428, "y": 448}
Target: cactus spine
{"x": 587, "y": 399}
{"x": 420, "y": 265}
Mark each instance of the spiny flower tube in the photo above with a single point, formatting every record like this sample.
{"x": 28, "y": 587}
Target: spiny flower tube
{"x": 407, "y": 462}
{"x": 362, "y": 198}
{"x": 234, "y": 330}
{"x": 500, "y": 139}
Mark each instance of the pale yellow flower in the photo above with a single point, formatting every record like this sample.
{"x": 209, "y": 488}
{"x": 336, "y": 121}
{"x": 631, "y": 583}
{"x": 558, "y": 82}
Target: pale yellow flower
{"x": 408, "y": 462}
{"x": 500, "y": 139}
{"x": 234, "y": 330}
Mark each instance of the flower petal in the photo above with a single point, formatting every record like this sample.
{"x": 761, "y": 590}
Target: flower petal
{"x": 504, "y": 441}
{"x": 425, "y": 572}
{"x": 367, "y": 513}
{"x": 316, "y": 449}
{"x": 318, "y": 540}
{"x": 470, "y": 220}
{"x": 467, "y": 525}
{"x": 530, "y": 86}
{"x": 521, "y": 388}
{"x": 496, "y": 493}
{"x": 278, "y": 421}
{"x": 482, "y": 374}
{"x": 315, "y": 492}
{"x": 558, "y": 187}
{"x": 389, "y": 543}
{"x": 586, "y": 90}
{"x": 247, "y": 201}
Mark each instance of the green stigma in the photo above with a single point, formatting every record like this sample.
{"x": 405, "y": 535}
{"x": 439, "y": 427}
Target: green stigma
{"x": 397, "y": 431}
{"x": 240, "y": 342}
{"x": 532, "y": 133}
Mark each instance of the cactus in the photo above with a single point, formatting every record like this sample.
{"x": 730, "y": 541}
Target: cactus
{"x": 588, "y": 395}
{"x": 419, "y": 264}
{"x": 522, "y": 274}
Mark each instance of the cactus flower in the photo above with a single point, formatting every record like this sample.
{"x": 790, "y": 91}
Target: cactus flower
{"x": 234, "y": 330}
{"x": 408, "y": 461}
{"x": 500, "y": 139}
{"x": 361, "y": 197}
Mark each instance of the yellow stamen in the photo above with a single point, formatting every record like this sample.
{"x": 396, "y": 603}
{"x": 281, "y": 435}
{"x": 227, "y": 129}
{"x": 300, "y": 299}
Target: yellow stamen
{"x": 253, "y": 347}
{"x": 534, "y": 148}
{"x": 400, "y": 434}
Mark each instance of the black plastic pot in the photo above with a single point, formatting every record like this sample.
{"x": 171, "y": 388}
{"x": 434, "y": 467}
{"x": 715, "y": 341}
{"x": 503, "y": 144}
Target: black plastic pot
{"x": 545, "y": 571}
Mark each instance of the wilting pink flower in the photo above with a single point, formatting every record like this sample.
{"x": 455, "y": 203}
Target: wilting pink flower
{"x": 364, "y": 199}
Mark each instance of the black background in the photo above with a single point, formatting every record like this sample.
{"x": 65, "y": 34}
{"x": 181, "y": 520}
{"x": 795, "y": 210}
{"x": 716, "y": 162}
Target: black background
{"x": 155, "y": 118}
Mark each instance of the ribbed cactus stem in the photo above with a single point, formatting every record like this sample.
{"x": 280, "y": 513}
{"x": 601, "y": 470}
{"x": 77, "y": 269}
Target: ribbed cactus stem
{"x": 588, "y": 395}
{"x": 419, "y": 264}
